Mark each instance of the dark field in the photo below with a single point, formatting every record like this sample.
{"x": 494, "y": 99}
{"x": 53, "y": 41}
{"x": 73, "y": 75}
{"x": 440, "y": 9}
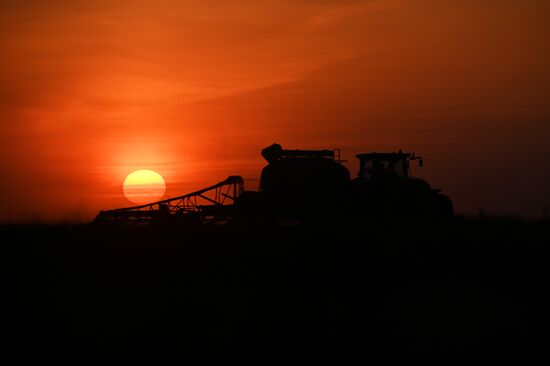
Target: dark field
{"x": 314, "y": 292}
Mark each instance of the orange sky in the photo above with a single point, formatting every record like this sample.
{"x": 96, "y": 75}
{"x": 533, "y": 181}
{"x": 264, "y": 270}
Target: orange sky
{"x": 90, "y": 91}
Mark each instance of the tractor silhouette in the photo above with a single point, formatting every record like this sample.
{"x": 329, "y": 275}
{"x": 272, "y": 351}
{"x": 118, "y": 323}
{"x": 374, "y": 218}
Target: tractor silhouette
{"x": 301, "y": 185}
{"x": 313, "y": 184}
{"x": 384, "y": 187}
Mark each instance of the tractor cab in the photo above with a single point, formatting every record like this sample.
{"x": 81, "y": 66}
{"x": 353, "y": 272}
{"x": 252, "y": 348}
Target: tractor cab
{"x": 378, "y": 165}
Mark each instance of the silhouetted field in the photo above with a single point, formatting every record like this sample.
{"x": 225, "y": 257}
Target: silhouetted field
{"x": 313, "y": 292}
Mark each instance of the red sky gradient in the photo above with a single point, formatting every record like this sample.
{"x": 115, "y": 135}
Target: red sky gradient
{"x": 92, "y": 90}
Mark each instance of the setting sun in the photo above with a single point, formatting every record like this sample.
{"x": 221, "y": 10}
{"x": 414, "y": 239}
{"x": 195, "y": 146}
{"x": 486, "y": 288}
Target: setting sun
{"x": 144, "y": 186}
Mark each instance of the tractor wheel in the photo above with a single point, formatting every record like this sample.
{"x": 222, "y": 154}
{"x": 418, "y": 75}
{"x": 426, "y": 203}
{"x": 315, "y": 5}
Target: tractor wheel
{"x": 248, "y": 204}
{"x": 444, "y": 208}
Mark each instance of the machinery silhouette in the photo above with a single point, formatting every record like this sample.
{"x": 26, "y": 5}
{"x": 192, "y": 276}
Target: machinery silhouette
{"x": 384, "y": 186}
{"x": 300, "y": 185}
{"x": 211, "y": 204}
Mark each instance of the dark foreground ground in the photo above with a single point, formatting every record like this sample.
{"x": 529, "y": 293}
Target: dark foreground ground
{"x": 316, "y": 292}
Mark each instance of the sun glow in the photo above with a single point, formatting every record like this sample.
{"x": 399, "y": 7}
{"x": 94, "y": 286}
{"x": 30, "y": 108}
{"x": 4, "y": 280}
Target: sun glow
{"x": 144, "y": 186}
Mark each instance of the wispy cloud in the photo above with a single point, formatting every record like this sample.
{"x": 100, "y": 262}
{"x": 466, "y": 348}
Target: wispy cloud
{"x": 89, "y": 90}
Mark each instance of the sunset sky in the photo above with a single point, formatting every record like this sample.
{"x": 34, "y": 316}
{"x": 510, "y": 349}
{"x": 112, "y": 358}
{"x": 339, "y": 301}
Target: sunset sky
{"x": 93, "y": 90}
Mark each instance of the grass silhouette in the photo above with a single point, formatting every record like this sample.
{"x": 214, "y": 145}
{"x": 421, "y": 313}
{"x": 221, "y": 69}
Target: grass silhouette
{"x": 311, "y": 292}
